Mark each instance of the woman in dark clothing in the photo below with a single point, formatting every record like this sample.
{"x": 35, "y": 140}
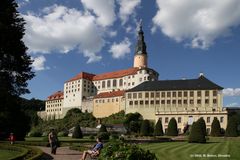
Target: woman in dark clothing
{"x": 53, "y": 140}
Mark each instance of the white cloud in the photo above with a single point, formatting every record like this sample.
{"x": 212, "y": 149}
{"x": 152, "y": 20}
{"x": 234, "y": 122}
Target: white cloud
{"x": 62, "y": 29}
{"x": 200, "y": 21}
{"x": 232, "y": 105}
{"x": 121, "y": 49}
{"x": 104, "y": 10}
{"x": 112, "y": 33}
{"x": 38, "y": 63}
{"x": 127, "y": 8}
{"x": 231, "y": 92}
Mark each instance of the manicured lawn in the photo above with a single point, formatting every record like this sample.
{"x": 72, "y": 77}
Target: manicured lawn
{"x": 212, "y": 150}
{"x": 6, "y": 154}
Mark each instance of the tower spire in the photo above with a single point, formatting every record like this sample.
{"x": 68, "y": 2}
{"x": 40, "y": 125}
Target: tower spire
{"x": 140, "y": 57}
{"x": 140, "y": 46}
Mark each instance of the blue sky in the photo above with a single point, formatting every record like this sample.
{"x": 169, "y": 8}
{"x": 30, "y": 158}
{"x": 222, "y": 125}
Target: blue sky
{"x": 184, "y": 38}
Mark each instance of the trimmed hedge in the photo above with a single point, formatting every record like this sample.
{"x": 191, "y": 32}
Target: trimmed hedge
{"x": 158, "y": 131}
{"x": 172, "y": 127}
{"x": 215, "y": 128}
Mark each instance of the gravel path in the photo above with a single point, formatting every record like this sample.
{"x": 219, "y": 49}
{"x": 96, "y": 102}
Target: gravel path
{"x": 63, "y": 153}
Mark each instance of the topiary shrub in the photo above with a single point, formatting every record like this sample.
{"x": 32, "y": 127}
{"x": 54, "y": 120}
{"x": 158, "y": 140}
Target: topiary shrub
{"x": 77, "y": 132}
{"x": 215, "y": 128}
{"x": 196, "y": 134}
{"x": 158, "y": 130}
{"x": 62, "y": 134}
{"x": 172, "y": 127}
{"x": 231, "y": 130}
{"x": 145, "y": 128}
{"x": 203, "y": 125}
{"x": 103, "y": 135}
{"x": 123, "y": 151}
{"x": 103, "y": 128}
{"x": 35, "y": 133}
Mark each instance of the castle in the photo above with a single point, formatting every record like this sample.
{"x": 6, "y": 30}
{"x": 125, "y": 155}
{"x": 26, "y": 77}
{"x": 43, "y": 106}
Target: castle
{"x": 138, "y": 89}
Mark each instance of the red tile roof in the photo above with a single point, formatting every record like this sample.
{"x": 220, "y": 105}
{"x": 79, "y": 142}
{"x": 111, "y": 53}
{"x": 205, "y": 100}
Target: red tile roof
{"x": 110, "y": 94}
{"x": 108, "y": 75}
{"x": 83, "y": 75}
{"x": 56, "y": 95}
{"x": 116, "y": 74}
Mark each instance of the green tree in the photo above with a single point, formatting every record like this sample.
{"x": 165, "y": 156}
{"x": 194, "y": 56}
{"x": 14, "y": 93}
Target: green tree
{"x": 203, "y": 125}
{"x": 172, "y": 127}
{"x": 15, "y": 70}
{"x": 196, "y": 134}
{"x": 77, "y": 132}
{"x": 231, "y": 130}
{"x": 145, "y": 128}
{"x": 130, "y": 117}
{"x": 215, "y": 128}
{"x": 158, "y": 130}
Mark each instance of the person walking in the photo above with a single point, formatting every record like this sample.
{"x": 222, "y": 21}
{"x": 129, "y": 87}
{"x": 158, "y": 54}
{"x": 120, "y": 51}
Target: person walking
{"x": 12, "y": 138}
{"x": 53, "y": 140}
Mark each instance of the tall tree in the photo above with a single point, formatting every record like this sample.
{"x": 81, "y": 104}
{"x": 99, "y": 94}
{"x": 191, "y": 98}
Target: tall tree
{"x": 77, "y": 132}
{"x": 15, "y": 69}
{"x": 196, "y": 133}
{"x": 231, "y": 130}
{"x": 172, "y": 127}
{"x": 145, "y": 128}
{"x": 215, "y": 128}
{"x": 158, "y": 131}
{"x": 203, "y": 125}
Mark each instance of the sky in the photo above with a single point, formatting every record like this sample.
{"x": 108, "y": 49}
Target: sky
{"x": 183, "y": 38}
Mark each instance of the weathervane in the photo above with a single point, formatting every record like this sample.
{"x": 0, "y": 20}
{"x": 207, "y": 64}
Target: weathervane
{"x": 140, "y": 24}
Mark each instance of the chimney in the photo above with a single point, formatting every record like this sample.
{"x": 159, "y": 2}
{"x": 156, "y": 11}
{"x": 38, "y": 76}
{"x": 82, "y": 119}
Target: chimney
{"x": 201, "y": 74}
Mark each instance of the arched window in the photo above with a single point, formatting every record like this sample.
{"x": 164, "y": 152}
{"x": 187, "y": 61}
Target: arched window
{"x": 120, "y": 82}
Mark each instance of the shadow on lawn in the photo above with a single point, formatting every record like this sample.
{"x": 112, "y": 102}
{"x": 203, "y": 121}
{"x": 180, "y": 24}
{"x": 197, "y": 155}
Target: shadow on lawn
{"x": 46, "y": 156}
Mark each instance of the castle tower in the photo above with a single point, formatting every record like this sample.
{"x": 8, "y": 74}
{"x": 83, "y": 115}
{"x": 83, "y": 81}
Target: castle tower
{"x": 140, "y": 57}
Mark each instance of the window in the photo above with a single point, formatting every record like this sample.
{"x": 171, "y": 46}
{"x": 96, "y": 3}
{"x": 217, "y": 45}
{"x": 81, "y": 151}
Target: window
{"x": 129, "y": 84}
{"x": 214, "y": 101}
{"x": 120, "y": 82}
{"x": 206, "y": 93}
{"x": 103, "y": 84}
{"x": 168, "y": 101}
{"x": 166, "y": 120}
{"x": 134, "y": 95}
{"x": 135, "y": 102}
{"x": 157, "y": 94}
{"x": 108, "y": 83}
{"x": 206, "y": 101}
{"x": 152, "y": 102}
{"x": 140, "y": 79}
{"x": 162, "y": 102}
{"x": 146, "y": 95}
{"x": 114, "y": 83}
{"x": 179, "y": 94}
{"x": 130, "y": 102}
{"x": 116, "y": 99}
{"x": 152, "y": 94}
{"x": 141, "y": 103}
{"x": 129, "y": 95}
{"x": 168, "y": 94}
{"x": 174, "y": 94}
{"x": 163, "y": 94}
{"x": 147, "y": 102}
{"x": 174, "y": 101}
{"x": 179, "y": 101}
{"x": 221, "y": 119}
{"x": 191, "y": 94}
{"x": 191, "y": 101}
{"x": 139, "y": 95}
{"x": 208, "y": 119}
{"x": 185, "y": 94}
{"x": 133, "y": 83}
{"x": 185, "y": 101}
{"x": 214, "y": 93}
{"x": 157, "y": 101}
{"x": 199, "y": 94}
{"x": 179, "y": 119}
{"x": 198, "y": 101}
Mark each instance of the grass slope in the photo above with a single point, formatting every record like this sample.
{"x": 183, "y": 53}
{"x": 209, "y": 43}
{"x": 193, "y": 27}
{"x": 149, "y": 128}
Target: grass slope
{"x": 7, "y": 154}
{"x": 190, "y": 151}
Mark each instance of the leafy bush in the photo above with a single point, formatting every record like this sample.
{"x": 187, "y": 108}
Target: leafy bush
{"x": 77, "y": 132}
{"x": 158, "y": 131}
{"x": 63, "y": 134}
{"x": 103, "y": 135}
{"x": 231, "y": 130}
{"x": 35, "y": 133}
{"x": 172, "y": 127}
{"x": 122, "y": 151}
{"x": 215, "y": 128}
{"x": 145, "y": 128}
{"x": 91, "y": 137}
{"x": 114, "y": 136}
{"x": 132, "y": 122}
{"x": 196, "y": 134}
{"x": 116, "y": 118}
{"x": 203, "y": 125}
